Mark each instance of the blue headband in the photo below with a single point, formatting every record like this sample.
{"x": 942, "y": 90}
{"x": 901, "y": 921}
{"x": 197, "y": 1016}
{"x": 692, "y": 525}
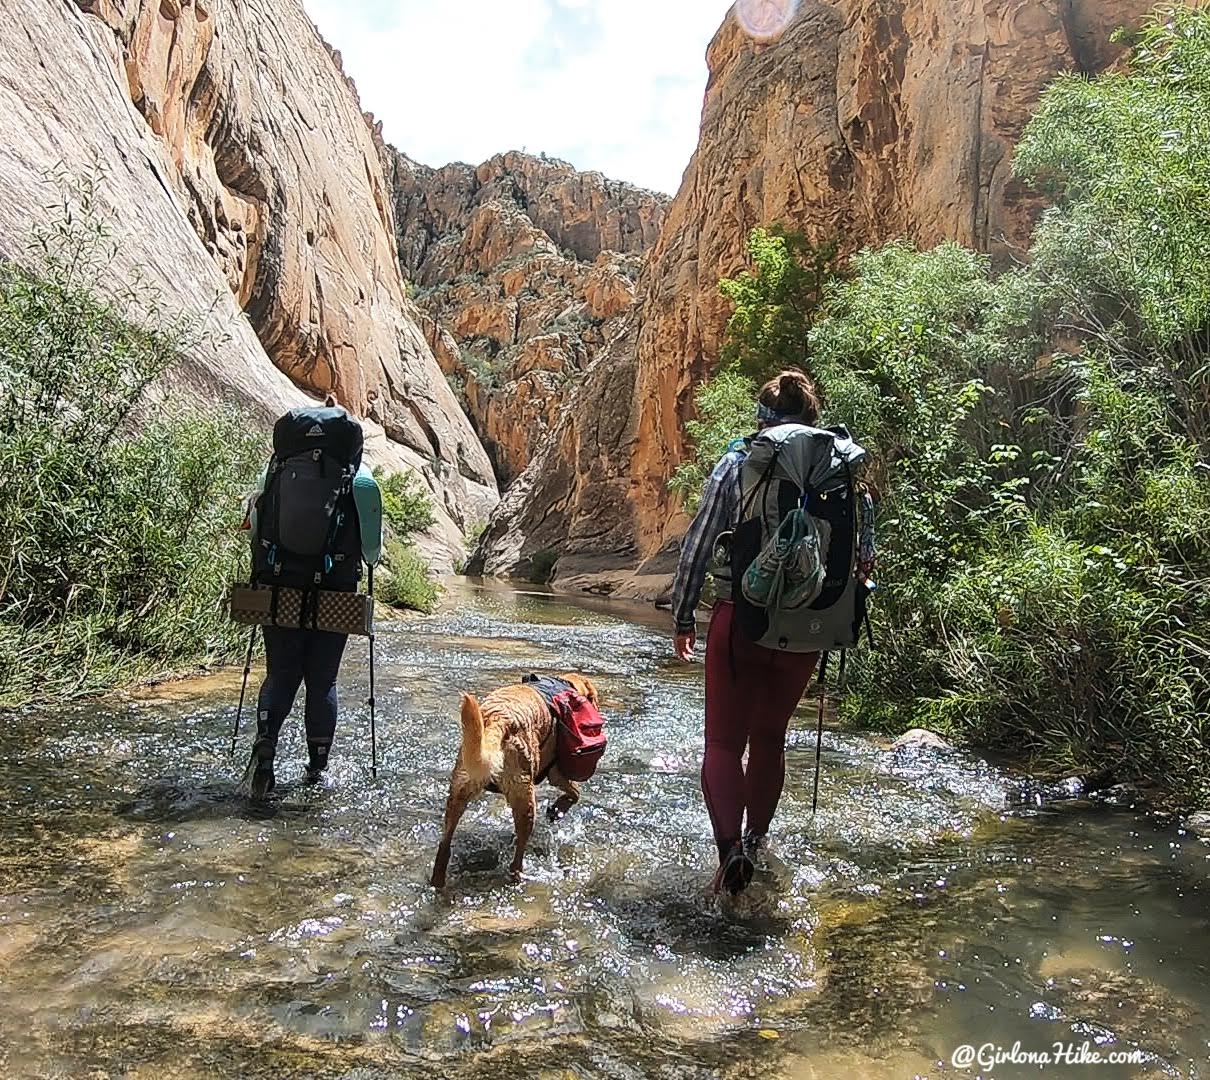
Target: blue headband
{"x": 765, "y": 415}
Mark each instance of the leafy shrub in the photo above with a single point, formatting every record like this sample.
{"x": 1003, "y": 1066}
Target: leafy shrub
{"x": 407, "y": 506}
{"x": 725, "y": 411}
{"x": 119, "y": 537}
{"x": 1046, "y": 548}
{"x": 775, "y": 302}
{"x": 767, "y": 332}
{"x": 407, "y": 582}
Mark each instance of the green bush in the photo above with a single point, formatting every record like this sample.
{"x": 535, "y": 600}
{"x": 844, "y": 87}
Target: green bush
{"x": 768, "y": 331}
{"x": 1043, "y": 439}
{"x": 119, "y": 536}
{"x": 726, "y": 410}
{"x": 775, "y": 301}
{"x": 407, "y": 583}
{"x": 407, "y": 506}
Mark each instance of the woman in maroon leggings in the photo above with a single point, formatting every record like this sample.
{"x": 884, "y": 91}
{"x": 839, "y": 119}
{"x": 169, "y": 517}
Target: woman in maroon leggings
{"x": 751, "y": 691}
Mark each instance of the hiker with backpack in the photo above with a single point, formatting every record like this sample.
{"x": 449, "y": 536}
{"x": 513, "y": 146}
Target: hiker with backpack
{"x": 786, "y": 531}
{"x": 316, "y": 517}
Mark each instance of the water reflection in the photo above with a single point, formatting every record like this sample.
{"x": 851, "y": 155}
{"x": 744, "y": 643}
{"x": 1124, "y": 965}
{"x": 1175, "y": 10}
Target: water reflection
{"x": 153, "y": 923}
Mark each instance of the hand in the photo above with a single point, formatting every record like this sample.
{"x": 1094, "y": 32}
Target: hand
{"x": 685, "y": 644}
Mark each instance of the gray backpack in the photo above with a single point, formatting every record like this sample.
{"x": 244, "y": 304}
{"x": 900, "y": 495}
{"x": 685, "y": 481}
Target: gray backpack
{"x": 793, "y": 554}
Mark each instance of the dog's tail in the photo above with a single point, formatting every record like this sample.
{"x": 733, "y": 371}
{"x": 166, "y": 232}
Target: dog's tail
{"x": 473, "y": 758}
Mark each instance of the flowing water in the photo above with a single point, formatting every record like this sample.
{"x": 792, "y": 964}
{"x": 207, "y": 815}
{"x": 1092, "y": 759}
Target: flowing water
{"x": 153, "y": 923}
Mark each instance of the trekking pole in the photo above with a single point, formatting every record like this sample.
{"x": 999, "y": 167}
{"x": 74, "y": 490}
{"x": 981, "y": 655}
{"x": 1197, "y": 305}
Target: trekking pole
{"x": 823, "y": 689}
{"x": 373, "y": 731}
{"x": 243, "y": 691}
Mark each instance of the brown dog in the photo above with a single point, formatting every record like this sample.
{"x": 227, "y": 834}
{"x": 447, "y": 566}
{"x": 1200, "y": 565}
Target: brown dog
{"x": 508, "y": 741}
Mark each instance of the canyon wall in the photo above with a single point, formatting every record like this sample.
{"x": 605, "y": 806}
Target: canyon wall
{"x": 238, "y": 174}
{"x": 865, "y": 120}
{"x": 524, "y": 269}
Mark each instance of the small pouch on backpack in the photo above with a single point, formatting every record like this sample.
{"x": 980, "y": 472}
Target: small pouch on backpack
{"x": 788, "y": 573}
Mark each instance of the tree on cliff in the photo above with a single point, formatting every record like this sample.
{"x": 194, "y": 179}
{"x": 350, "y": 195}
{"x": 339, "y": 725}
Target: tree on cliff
{"x": 775, "y": 303}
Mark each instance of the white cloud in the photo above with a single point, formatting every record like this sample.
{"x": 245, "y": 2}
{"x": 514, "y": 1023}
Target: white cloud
{"x": 614, "y": 85}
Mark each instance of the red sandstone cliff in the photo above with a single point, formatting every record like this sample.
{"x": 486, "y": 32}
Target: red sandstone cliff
{"x": 869, "y": 119}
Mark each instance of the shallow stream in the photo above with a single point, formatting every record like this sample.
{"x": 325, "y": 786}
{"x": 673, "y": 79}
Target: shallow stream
{"x": 154, "y": 923}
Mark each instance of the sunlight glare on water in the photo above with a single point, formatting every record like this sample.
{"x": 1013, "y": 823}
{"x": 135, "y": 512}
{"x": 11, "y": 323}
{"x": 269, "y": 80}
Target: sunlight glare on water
{"x": 153, "y": 923}
{"x": 765, "y": 20}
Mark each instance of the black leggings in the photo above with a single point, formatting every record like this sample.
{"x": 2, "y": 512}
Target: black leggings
{"x": 293, "y": 657}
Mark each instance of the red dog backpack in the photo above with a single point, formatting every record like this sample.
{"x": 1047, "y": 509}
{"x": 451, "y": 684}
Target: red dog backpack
{"x": 581, "y": 734}
{"x": 579, "y": 727}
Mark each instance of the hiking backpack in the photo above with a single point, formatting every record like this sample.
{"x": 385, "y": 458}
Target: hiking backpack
{"x": 307, "y": 531}
{"x": 792, "y": 557}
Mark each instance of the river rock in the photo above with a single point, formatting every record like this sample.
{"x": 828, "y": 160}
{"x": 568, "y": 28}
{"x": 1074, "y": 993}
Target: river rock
{"x": 864, "y": 120}
{"x": 239, "y": 173}
{"x": 1199, "y": 823}
{"x": 920, "y": 739}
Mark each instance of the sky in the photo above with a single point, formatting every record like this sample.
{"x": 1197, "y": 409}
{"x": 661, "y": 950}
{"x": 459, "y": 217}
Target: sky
{"x": 612, "y": 85}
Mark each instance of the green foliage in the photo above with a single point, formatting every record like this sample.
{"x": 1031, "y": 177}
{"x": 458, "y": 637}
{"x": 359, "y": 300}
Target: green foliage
{"x": 775, "y": 302}
{"x": 1042, "y": 441}
{"x": 1128, "y": 157}
{"x": 473, "y": 532}
{"x": 485, "y": 374}
{"x": 407, "y": 507}
{"x": 725, "y": 412}
{"x": 119, "y": 538}
{"x": 407, "y": 582}
{"x": 767, "y": 332}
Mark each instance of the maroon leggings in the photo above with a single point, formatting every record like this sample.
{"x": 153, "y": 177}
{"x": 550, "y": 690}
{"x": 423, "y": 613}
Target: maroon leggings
{"x": 751, "y": 693}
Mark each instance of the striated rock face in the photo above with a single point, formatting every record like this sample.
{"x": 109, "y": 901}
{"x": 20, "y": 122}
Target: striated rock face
{"x": 240, "y": 173}
{"x": 524, "y": 269}
{"x": 866, "y": 119}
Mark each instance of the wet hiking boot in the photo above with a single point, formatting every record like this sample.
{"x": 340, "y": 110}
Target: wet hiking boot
{"x": 735, "y": 870}
{"x": 259, "y": 780}
{"x": 317, "y": 762}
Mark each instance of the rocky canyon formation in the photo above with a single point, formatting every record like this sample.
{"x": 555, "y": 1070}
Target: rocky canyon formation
{"x": 524, "y": 269}
{"x": 865, "y": 119}
{"x": 240, "y": 175}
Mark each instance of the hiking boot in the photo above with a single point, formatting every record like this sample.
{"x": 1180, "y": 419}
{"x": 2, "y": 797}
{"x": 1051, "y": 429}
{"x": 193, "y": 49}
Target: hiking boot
{"x": 259, "y": 780}
{"x": 263, "y": 780}
{"x": 735, "y": 871}
{"x": 317, "y": 762}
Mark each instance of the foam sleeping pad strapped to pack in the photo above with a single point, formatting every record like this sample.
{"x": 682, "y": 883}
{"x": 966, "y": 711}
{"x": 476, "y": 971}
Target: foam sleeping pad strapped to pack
{"x": 339, "y": 612}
